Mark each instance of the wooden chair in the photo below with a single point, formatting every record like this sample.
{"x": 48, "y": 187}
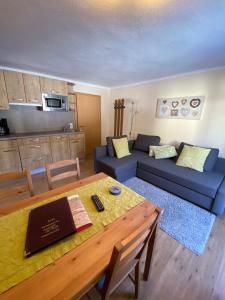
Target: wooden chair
{"x": 62, "y": 164}
{"x": 10, "y": 190}
{"x": 126, "y": 257}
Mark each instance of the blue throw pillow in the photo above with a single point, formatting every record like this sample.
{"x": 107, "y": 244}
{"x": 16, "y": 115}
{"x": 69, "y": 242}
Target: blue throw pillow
{"x": 143, "y": 142}
{"x": 210, "y": 160}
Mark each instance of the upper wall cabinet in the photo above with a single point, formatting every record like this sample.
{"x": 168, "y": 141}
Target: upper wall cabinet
{"x": 15, "y": 86}
{"x": 32, "y": 88}
{"x": 3, "y": 94}
{"x": 53, "y": 86}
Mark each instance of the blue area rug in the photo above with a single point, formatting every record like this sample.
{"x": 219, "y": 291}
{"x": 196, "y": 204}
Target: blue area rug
{"x": 187, "y": 223}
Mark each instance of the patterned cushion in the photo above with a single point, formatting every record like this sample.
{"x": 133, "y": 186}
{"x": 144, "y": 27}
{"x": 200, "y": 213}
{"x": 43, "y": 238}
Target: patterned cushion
{"x": 165, "y": 151}
{"x": 121, "y": 147}
{"x": 193, "y": 157}
{"x": 151, "y": 149}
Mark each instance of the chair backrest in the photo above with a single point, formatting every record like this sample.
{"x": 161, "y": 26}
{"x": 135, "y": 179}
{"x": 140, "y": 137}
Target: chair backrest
{"x": 126, "y": 255}
{"x": 10, "y": 178}
{"x": 64, "y": 174}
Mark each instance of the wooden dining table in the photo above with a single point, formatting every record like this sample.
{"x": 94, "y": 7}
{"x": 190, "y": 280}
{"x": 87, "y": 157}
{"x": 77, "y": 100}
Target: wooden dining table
{"x": 79, "y": 269}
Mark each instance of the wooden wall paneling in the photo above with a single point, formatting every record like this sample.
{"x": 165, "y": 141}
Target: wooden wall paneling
{"x": 14, "y": 86}
{"x": 121, "y": 116}
{"x": 115, "y": 117}
{"x": 4, "y": 104}
{"x": 118, "y": 117}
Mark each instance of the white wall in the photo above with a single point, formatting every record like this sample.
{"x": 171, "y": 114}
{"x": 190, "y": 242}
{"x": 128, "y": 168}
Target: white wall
{"x": 106, "y": 105}
{"x": 209, "y": 131}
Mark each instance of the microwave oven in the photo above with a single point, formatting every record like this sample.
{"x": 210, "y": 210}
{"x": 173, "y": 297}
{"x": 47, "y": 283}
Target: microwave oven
{"x": 52, "y": 102}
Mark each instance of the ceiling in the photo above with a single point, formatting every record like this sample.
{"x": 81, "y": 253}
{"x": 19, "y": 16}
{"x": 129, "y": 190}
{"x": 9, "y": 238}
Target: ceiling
{"x": 112, "y": 42}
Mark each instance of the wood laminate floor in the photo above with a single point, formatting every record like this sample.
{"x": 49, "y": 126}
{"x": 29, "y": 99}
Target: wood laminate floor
{"x": 177, "y": 273}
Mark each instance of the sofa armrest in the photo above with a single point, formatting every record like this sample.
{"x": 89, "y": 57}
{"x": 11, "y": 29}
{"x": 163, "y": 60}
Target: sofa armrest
{"x": 100, "y": 151}
{"x": 220, "y": 165}
{"x": 219, "y": 202}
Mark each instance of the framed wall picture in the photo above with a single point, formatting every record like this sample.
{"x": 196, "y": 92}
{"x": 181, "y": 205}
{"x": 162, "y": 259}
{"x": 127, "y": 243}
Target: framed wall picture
{"x": 189, "y": 108}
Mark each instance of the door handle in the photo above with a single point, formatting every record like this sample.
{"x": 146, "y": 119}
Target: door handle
{"x": 9, "y": 150}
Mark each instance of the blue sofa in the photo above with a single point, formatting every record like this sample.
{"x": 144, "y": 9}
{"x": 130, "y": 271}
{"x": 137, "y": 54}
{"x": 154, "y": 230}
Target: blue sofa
{"x": 205, "y": 189}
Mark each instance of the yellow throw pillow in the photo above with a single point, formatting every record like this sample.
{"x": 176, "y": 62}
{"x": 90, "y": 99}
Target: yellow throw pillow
{"x": 153, "y": 148}
{"x": 121, "y": 147}
{"x": 165, "y": 152}
{"x": 193, "y": 157}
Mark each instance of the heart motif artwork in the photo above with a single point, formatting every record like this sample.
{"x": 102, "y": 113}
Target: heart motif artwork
{"x": 164, "y": 109}
{"x": 189, "y": 108}
{"x": 185, "y": 111}
{"x": 195, "y": 103}
{"x": 175, "y": 104}
{"x": 195, "y": 113}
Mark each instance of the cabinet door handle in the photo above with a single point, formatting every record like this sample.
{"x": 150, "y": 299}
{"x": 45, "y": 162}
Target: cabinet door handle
{"x": 37, "y": 159}
{"x": 20, "y": 99}
{"x": 74, "y": 142}
{"x": 9, "y": 150}
{"x": 36, "y": 146}
{"x": 34, "y": 100}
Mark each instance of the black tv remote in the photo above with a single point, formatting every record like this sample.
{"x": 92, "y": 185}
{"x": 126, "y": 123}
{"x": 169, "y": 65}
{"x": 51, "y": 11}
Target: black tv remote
{"x": 97, "y": 203}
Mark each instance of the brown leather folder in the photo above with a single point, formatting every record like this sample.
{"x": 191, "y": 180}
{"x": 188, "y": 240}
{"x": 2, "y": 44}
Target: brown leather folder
{"x": 48, "y": 224}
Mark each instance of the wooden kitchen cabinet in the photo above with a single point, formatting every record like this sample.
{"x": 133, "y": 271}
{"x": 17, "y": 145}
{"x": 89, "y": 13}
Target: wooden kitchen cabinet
{"x": 60, "y": 147}
{"x": 14, "y": 86}
{"x": 9, "y": 156}
{"x": 35, "y": 152}
{"x": 60, "y": 87}
{"x": 53, "y": 86}
{"x": 72, "y": 102}
{"x": 4, "y": 104}
{"x": 32, "y": 88}
{"x": 77, "y": 146}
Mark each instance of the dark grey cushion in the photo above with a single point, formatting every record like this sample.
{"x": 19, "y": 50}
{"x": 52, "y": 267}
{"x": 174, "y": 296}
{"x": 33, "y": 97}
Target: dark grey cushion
{"x": 210, "y": 160}
{"x": 110, "y": 147}
{"x": 205, "y": 183}
{"x": 143, "y": 142}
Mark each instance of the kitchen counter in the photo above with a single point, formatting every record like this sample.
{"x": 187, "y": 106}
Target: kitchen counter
{"x": 31, "y": 134}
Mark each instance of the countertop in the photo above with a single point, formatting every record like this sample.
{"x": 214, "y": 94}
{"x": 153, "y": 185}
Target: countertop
{"x": 31, "y": 134}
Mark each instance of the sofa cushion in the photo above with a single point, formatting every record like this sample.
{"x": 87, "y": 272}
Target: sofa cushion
{"x": 164, "y": 152}
{"x": 113, "y": 165}
{"x": 110, "y": 147}
{"x": 121, "y": 147}
{"x": 193, "y": 158}
{"x": 143, "y": 142}
{"x": 211, "y": 158}
{"x": 205, "y": 183}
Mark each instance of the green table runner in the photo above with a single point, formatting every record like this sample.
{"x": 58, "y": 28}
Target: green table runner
{"x": 14, "y": 268}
